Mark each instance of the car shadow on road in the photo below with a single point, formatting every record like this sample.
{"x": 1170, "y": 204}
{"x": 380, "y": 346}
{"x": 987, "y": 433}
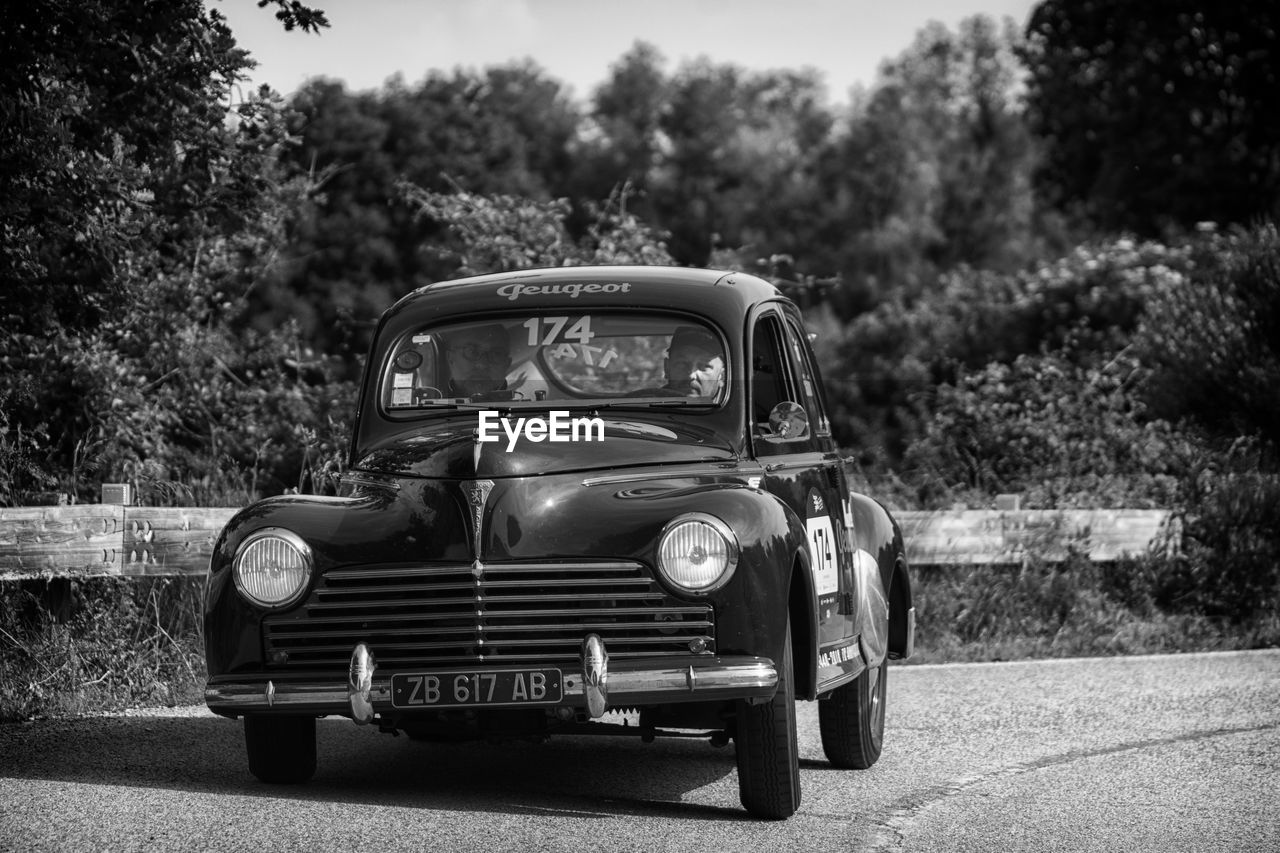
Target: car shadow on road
{"x": 567, "y": 775}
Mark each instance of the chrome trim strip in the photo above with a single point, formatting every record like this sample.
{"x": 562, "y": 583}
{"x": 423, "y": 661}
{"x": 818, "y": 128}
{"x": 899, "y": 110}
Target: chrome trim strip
{"x": 523, "y": 567}
{"x": 380, "y": 481}
{"x": 786, "y": 466}
{"x": 629, "y": 682}
{"x": 718, "y": 469}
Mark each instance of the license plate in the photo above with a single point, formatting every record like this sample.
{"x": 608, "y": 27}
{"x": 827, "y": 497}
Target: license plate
{"x": 476, "y": 689}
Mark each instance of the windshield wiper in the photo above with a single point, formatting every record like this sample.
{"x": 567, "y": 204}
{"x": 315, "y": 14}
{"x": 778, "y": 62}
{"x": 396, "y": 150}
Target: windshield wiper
{"x": 637, "y": 403}
{"x": 429, "y": 404}
{"x": 676, "y": 402}
{"x": 451, "y": 404}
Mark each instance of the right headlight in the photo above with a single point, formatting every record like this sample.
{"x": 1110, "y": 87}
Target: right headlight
{"x": 272, "y": 567}
{"x": 697, "y": 552}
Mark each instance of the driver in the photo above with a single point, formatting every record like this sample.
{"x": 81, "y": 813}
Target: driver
{"x": 478, "y": 361}
{"x": 694, "y": 365}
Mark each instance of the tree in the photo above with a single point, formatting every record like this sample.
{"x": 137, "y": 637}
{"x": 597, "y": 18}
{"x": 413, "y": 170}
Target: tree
{"x": 626, "y": 132}
{"x": 107, "y": 108}
{"x": 739, "y": 169}
{"x": 933, "y": 169}
{"x": 113, "y": 111}
{"x": 1157, "y": 114}
{"x": 137, "y": 212}
{"x": 508, "y": 129}
{"x": 499, "y": 232}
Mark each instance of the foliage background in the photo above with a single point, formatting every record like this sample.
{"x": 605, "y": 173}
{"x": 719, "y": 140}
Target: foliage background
{"x": 1040, "y": 261}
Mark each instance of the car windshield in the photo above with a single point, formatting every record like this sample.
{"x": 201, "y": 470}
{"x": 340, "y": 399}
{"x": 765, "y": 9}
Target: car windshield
{"x": 624, "y": 359}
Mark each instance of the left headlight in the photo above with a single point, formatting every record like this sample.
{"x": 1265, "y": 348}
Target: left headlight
{"x": 272, "y": 566}
{"x": 697, "y": 552}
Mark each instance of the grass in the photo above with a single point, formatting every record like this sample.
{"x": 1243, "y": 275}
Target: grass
{"x": 1077, "y": 608}
{"x": 102, "y": 644}
{"x": 106, "y": 644}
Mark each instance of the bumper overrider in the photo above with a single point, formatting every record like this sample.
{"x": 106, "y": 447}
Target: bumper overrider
{"x": 596, "y": 685}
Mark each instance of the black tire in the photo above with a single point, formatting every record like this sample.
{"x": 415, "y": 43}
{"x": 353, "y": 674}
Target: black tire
{"x": 282, "y": 750}
{"x": 852, "y": 719}
{"x": 765, "y": 742}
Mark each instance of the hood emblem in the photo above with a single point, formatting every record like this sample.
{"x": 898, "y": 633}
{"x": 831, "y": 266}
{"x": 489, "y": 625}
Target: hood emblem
{"x": 477, "y": 493}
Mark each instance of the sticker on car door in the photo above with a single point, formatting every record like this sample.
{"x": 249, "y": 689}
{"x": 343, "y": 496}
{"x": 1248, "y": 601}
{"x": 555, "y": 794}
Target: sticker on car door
{"x": 823, "y": 546}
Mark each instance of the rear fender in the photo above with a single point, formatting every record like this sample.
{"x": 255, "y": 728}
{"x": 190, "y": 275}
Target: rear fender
{"x": 902, "y": 615}
{"x": 879, "y": 535}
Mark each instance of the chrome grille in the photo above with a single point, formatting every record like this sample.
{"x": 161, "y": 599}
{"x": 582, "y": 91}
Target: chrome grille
{"x": 447, "y": 615}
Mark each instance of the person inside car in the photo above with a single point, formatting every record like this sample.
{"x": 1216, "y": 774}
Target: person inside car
{"x": 694, "y": 365}
{"x": 478, "y": 362}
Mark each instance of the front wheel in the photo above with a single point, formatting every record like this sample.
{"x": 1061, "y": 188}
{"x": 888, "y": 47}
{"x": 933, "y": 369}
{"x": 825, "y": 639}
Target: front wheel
{"x": 282, "y": 750}
{"x": 768, "y": 757}
{"x": 852, "y": 719}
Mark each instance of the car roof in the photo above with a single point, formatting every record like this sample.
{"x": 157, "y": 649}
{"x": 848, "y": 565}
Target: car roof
{"x": 718, "y": 293}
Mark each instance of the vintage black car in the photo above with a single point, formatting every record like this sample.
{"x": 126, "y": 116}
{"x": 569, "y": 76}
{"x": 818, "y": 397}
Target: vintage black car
{"x": 576, "y": 496}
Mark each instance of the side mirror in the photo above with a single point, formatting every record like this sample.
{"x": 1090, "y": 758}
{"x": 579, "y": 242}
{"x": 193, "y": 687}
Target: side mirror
{"x": 789, "y": 421}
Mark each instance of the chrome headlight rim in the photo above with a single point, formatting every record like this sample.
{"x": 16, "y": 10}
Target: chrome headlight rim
{"x": 294, "y": 541}
{"x": 732, "y": 549}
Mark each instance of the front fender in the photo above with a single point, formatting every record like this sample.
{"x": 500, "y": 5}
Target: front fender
{"x": 336, "y": 529}
{"x": 790, "y": 592}
{"x": 751, "y": 609}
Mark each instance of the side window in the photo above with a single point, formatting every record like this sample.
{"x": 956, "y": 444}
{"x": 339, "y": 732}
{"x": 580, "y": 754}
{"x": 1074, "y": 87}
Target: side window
{"x": 768, "y": 378}
{"x": 810, "y": 384}
{"x": 774, "y": 380}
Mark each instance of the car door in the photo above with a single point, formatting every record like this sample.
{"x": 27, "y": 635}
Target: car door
{"x": 802, "y": 468}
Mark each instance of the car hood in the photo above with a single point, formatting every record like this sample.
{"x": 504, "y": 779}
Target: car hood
{"x": 449, "y": 448}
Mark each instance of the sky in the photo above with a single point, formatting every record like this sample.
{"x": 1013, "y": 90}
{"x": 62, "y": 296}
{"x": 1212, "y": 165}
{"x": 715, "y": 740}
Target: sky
{"x": 576, "y": 41}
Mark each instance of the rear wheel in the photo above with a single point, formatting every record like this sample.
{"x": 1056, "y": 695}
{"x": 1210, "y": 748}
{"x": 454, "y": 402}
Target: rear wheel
{"x": 282, "y": 749}
{"x": 852, "y": 719}
{"x": 768, "y": 758}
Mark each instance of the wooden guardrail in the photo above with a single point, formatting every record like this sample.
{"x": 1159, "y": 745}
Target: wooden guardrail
{"x": 132, "y": 541}
{"x": 107, "y": 540}
{"x": 983, "y": 537}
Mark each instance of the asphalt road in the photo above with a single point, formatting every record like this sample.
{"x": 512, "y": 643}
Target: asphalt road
{"x": 1165, "y": 753}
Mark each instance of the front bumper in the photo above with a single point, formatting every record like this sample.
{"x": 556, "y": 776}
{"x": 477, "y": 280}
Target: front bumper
{"x": 596, "y": 685}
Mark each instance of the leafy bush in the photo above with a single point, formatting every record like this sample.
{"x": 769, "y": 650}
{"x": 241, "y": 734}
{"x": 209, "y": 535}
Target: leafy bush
{"x": 1211, "y": 337}
{"x": 1229, "y": 568}
{"x": 1060, "y": 433}
{"x": 1110, "y": 376}
{"x": 888, "y": 361}
{"x": 1123, "y": 375}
